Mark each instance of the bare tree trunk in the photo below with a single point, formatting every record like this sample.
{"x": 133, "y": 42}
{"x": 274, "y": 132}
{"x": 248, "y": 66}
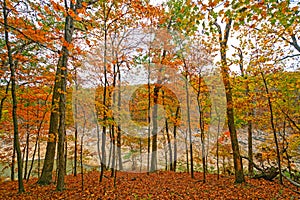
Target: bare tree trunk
{"x": 14, "y": 98}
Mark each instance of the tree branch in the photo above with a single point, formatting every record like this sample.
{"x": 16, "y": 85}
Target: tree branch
{"x": 28, "y": 38}
{"x": 285, "y": 57}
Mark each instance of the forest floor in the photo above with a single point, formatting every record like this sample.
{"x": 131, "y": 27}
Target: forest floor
{"x": 160, "y": 185}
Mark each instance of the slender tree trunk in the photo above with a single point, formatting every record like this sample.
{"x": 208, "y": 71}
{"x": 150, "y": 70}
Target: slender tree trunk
{"x": 98, "y": 140}
{"x": 36, "y": 146}
{"x": 103, "y": 163}
{"x": 14, "y": 98}
{"x": 141, "y": 155}
{"x": 166, "y": 151}
{"x": 76, "y": 124}
{"x": 154, "y": 130}
{"x": 189, "y": 120}
{"x": 175, "y": 138}
{"x": 238, "y": 165}
{"x": 81, "y": 163}
{"x": 66, "y": 153}
{"x": 110, "y": 147}
{"x": 3, "y": 99}
{"x": 201, "y": 125}
{"x": 27, "y": 151}
{"x": 75, "y": 150}
{"x": 149, "y": 121}
{"x": 119, "y": 133}
{"x": 187, "y": 152}
{"x": 169, "y": 144}
{"x": 249, "y": 113}
{"x": 272, "y": 124}
{"x": 113, "y": 151}
{"x": 13, "y": 158}
{"x": 39, "y": 159}
{"x": 218, "y": 134}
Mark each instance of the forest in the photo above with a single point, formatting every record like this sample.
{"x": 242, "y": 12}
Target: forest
{"x": 145, "y": 99}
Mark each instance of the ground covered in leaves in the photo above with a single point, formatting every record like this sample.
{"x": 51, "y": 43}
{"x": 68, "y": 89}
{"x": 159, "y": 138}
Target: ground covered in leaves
{"x": 161, "y": 185}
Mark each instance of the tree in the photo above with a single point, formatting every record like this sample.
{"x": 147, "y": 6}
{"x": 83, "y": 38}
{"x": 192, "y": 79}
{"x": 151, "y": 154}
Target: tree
{"x": 14, "y": 98}
{"x": 223, "y": 38}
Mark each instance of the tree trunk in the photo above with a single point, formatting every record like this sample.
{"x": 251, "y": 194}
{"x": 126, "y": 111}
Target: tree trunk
{"x": 148, "y": 120}
{"x": 3, "y": 99}
{"x": 103, "y": 163}
{"x": 14, "y": 98}
{"x": 238, "y": 165}
{"x": 62, "y": 65}
{"x": 189, "y": 119}
{"x": 186, "y": 152}
{"x": 175, "y": 139}
{"x": 76, "y": 124}
{"x": 272, "y": 124}
{"x": 36, "y": 146}
{"x": 13, "y": 158}
{"x": 27, "y": 150}
{"x": 168, "y": 138}
{"x": 169, "y": 146}
{"x": 55, "y": 117}
{"x": 81, "y": 163}
{"x": 119, "y": 125}
{"x": 153, "y": 166}
{"x": 249, "y": 113}
{"x": 201, "y": 125}
{"x": 218, "y": 134}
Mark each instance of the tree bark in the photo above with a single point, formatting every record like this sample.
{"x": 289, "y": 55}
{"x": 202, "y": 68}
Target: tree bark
{"x": 272, "y": 124}
{"x": 14, "y": 98}
{"x": 153, "y": 166}
{"x": 238, "y": 165}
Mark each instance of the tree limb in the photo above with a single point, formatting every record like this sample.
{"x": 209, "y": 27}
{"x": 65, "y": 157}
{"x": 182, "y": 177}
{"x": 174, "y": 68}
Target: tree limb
{"x": 285, "y": 57}
{"x": 290, "y": 180}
